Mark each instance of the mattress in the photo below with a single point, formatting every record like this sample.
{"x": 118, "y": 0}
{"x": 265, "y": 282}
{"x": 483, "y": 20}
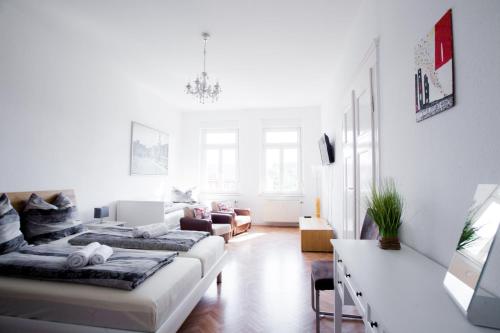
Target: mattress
{"x": 207, "y": 251}
{"x": 142, "y": 309}
{"x": 173, "y": 219}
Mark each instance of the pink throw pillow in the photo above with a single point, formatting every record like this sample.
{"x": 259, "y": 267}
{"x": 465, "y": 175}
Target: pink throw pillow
{"x": 222, "y": 207}
{"x": 201, "y": 213}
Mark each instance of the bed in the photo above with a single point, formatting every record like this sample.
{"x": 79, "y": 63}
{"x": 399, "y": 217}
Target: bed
{"x": 208, "y": 251}
{"x": 159, "y": 305}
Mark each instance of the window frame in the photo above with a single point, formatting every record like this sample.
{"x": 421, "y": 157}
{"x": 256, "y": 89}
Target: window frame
{"x": 282, "y": 147}
{"x": 220, "y": 147}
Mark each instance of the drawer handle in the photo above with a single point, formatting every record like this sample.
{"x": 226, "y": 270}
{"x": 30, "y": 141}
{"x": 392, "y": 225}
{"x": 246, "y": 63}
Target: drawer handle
{"x": 373, "y": 324}
{"x": 359, "y": 293}
{"x": 339, "y": 282}
{"x": 348, "y": 275}
{"x": 340, "y": 260}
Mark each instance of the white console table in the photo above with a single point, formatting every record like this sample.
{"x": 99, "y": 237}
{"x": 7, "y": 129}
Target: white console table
{"x": 395, "y": 291}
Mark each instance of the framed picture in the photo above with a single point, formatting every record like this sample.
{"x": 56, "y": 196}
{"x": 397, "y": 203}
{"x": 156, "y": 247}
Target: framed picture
{"x": 149, "y": 151}
{"x": 434, "y": 84}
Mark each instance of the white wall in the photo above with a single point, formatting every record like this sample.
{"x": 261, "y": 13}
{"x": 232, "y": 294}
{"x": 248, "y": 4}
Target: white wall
{"x": 250, "y": 124}
{"x": 436, "y": 163}
{"x": 66, "y": 112}
{"x": 359, "y": 41}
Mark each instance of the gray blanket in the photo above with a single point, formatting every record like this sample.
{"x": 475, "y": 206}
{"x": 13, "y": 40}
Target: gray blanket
{"x": 175, "y": 240}
{"x": 125, "y": 269}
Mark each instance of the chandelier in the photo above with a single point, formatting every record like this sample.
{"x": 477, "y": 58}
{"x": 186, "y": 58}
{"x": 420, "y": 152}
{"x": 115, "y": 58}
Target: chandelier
{"x": 201, "y": 88}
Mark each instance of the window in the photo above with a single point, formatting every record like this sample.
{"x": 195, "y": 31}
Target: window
{"x": 282, "y": 161}
{"x": 220, "y": 160}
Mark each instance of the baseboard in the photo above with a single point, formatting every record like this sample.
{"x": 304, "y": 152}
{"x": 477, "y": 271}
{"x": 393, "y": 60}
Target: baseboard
{"x": 278, "y": 224}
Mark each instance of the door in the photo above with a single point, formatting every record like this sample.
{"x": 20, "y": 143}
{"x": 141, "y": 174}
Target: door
{"x": 349, "y": 163}
{"x": 360, "y": 146}
{"x": 364, "y": 162}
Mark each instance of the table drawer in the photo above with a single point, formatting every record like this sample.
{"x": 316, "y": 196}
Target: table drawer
{"x": 371, "y": 324}
{"x": 356, "y": 293}
{"x": 371, "y": 328}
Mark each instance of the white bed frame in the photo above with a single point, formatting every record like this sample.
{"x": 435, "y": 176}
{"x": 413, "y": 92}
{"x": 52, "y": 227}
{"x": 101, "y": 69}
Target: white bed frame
{"x": 172, "y": 324}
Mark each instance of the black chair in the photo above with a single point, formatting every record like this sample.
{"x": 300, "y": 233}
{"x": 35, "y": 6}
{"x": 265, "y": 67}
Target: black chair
{"x": 322, "y": 275}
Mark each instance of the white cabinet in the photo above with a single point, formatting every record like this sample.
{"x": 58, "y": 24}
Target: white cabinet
{"x": 394, "y": 291}
{"x": 147, "y": 212}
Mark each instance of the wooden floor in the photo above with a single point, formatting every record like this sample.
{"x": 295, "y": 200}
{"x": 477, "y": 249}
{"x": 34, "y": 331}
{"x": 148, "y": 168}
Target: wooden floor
{"x": 265, "y": 288}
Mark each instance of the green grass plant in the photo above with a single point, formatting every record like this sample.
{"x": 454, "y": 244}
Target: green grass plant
{"x": 385, "y": 207}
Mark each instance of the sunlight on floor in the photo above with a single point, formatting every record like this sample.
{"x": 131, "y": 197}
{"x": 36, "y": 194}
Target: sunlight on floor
{"x": 245, "y": 237}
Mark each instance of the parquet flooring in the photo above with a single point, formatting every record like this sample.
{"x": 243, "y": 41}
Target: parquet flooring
{"x": 265, "y": 288}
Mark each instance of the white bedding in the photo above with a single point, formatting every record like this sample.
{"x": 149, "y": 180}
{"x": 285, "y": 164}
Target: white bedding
{"x": 142, "y": 309}
{"x": 208, "y": 250}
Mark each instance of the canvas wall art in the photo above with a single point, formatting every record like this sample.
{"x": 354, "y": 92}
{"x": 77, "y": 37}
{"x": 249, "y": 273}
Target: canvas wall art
{"x": 434, "y": 86}
{"x": 149, "y": 151}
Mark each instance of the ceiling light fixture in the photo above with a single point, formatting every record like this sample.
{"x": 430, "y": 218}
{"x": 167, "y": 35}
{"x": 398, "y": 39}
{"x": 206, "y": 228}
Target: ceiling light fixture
{"x": 201, "y": 88}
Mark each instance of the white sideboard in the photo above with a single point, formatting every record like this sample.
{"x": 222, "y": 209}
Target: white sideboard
{"x": 140, "y": 212}
{"x": 147, "y": 212}
{"x": 395, "y": 291}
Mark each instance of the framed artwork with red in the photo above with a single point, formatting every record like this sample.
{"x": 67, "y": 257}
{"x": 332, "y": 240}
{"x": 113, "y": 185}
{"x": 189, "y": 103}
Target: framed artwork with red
{"x": 434, "y": 77}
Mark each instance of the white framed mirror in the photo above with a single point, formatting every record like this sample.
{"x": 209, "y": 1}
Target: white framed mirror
{"x": 470, "y": 281}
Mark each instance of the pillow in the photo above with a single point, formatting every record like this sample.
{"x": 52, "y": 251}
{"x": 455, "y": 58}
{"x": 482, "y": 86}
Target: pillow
{"x": 201, "y": 213}
{"x": 11, "y": 237}
{"x": 223, "y": 207}
{"x": 63, "y": 202}
{"x": 44, "y": 222}
{"x": 180, "y": 196}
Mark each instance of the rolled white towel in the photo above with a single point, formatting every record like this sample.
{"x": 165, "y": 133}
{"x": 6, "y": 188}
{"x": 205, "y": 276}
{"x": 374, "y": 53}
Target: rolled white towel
{"x": 155, "y": 231}
{"x": 81, "y": 257}
{"x": 150, "y": 230}
{"x": 137, "y": 231}
{"x": 101, "y": 255}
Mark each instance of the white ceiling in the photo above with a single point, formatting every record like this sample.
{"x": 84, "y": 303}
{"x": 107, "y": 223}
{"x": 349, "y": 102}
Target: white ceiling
{"x": 274, "y": 53}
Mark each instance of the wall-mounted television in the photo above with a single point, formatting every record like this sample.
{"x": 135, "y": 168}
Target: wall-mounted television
{"x": 326, "y": 149}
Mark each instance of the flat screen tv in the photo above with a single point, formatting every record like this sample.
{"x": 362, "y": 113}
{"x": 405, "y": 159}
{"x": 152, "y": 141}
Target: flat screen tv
{"x": 327, "y": 150}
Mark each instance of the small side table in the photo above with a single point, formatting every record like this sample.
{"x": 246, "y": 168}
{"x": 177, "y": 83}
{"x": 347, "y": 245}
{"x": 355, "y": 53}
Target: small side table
{"x": 315, "y": 235}
{"x": 105, "y": 224}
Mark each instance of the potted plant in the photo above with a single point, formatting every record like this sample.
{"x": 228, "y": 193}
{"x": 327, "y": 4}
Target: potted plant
{"x": 385, "y": 207}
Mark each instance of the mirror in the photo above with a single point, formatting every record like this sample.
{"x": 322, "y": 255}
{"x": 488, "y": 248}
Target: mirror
{"x": 468, "y": 279}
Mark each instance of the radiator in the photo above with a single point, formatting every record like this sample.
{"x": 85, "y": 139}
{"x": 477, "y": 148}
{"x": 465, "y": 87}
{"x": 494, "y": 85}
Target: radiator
{"x": 282, "y": 210}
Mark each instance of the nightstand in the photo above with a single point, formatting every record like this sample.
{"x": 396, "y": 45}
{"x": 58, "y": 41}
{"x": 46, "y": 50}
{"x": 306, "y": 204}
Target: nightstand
{"x": 98, "y": 225}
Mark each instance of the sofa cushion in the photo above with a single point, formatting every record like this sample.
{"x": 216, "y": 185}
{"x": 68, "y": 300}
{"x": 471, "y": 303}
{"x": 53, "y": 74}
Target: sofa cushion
{"x": 242, "y": 219}
{"x": 11, "y": 237}
{"x": 221, "y": 229}
{"x": 189, "y": 212}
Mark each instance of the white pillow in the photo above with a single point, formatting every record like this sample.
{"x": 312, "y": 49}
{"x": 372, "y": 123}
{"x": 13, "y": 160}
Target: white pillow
{"x": 180, "y": 196}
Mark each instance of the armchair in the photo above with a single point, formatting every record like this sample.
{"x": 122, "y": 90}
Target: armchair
{"x": 242, "y": 217}
{"x": 217, "y": 225}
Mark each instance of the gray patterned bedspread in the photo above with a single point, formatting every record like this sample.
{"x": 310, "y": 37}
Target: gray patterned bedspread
{"x": 125, "y": 269}
{"x": 175, "y": 240}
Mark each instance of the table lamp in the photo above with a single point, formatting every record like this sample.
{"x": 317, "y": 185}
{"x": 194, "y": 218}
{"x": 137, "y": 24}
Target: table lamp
{"x": 100, "y": 213}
